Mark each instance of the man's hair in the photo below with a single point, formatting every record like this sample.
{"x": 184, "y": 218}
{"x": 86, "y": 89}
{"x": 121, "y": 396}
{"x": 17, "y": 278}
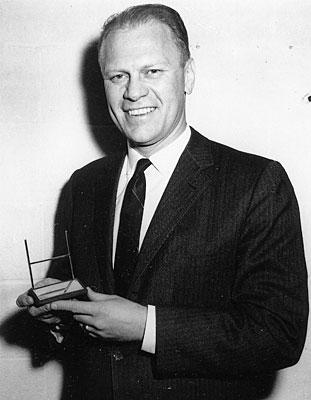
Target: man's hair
{"x": 138, "y": 15}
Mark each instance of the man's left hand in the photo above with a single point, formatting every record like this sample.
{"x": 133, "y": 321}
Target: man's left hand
{"x": 107, "y": 316}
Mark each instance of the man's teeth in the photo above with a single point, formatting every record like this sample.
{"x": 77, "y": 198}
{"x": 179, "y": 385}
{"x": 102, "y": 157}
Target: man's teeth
{"x": 141, "y": 111}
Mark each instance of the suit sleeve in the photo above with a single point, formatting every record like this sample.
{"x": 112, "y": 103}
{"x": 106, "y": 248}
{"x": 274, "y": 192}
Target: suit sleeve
{"x": 264, "y": 327}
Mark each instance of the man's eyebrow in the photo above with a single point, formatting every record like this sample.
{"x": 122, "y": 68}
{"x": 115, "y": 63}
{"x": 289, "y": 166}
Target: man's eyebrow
{"x": 159, "y": 64}
{"x": 108, "y": 71}
{"x": 155, "y": 65}
{"x": 146, "y": 66}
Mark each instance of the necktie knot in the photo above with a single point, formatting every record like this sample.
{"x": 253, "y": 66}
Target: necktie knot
{"x": 137, "y": 180}
{"x": 141, "y": 166}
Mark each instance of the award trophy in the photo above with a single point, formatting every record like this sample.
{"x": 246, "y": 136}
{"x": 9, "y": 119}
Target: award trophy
{"x": 55, "y": 291}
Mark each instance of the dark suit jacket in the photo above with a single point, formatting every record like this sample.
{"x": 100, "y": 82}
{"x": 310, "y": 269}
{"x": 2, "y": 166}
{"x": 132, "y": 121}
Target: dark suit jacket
{"x": 222, "y": 261}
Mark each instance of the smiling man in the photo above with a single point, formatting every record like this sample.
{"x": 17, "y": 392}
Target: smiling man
{"x": 192, "y": 251}
{"x": 146, "y": 77}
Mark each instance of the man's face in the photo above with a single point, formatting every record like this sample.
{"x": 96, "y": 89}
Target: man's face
{"x": 145, "y": 84}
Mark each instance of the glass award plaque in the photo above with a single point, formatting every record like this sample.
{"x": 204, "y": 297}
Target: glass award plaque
{"x": 72, "y": 288}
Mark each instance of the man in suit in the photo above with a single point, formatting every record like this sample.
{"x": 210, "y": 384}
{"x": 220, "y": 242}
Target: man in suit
{"x": 197, "y": 290}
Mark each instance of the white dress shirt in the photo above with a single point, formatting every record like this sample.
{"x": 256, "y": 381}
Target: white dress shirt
{"x": 157, "y": 175}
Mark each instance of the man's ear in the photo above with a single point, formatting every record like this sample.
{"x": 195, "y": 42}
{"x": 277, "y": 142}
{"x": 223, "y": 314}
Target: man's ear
{"x": 189, "y": 71}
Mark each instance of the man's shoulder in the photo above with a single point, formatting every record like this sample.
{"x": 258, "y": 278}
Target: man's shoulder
{"x": 223, "y": 156}
{"x": 98, "y": 169}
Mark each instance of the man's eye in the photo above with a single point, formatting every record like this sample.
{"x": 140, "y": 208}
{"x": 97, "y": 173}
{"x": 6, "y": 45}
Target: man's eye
{"x": 118, "y": 78}
{"x": 153, "y": 72}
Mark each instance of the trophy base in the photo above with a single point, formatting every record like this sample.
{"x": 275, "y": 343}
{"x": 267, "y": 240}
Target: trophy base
{"x": 57, "y": 291}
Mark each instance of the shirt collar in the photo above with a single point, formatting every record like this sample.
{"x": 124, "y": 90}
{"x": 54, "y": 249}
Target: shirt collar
{"x": 163, "y": 160}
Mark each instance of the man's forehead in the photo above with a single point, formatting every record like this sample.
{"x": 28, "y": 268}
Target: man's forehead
{"x": 151, "y": 39}
{"x": 153, "y": 31}
{"x": 152, "y": 26}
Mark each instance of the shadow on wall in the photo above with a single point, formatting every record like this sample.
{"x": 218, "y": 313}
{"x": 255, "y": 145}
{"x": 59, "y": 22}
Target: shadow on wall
{"x": 103, "y": 130}
{"x": 21, "y": 330}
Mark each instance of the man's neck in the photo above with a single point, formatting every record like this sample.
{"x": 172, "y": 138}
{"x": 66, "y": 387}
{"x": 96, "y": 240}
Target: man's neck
{"x": 148, "y": 150}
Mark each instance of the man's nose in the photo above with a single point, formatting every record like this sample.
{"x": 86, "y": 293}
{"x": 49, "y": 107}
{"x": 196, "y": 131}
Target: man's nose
{"x": 135, "y": 89}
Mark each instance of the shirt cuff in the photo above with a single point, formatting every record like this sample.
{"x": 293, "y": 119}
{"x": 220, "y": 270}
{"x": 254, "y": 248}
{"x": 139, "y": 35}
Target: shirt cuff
{"x": 149, "y": 339}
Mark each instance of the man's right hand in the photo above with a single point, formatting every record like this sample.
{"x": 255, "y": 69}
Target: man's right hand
{"x": 42, "y": 313}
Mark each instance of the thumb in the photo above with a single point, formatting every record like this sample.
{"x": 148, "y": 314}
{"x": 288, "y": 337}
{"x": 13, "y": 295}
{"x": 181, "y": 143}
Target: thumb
{"x": 95, "y": 296}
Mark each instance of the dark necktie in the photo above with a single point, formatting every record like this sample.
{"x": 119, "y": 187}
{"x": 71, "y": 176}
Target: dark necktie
{"x": 129, "y": 228}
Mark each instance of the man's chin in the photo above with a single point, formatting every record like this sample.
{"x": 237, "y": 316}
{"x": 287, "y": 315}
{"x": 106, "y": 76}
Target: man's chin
{"x": 138, "y": 138}
{"x": 137, "y": 144}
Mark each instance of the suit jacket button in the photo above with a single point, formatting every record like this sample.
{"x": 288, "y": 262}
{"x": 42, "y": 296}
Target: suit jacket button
{"x": 117, "y": 355}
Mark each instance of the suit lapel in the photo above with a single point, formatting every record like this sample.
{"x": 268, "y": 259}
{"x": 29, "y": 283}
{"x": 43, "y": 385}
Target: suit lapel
{"x": 190, "y": 178}
{"x": 105, "y": 195}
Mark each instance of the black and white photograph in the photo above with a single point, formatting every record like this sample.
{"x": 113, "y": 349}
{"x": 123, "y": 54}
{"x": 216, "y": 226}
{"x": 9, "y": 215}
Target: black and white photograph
{"x": 155, "y": 199}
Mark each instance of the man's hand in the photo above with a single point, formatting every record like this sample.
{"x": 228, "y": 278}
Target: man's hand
{"x": 107, "y": 316}
{"x": 42, "y": 313}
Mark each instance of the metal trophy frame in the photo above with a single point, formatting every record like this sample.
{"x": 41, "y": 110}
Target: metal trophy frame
{"x": 56, "y": 291}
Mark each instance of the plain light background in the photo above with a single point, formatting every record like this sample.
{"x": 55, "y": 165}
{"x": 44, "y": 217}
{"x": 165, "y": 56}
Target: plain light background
{"x": 253, "y": 64}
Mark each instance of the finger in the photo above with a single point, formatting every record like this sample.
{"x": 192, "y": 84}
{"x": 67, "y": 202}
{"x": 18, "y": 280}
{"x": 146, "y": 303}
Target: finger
{"x": 84, "y": 319}
{"x": 76, "y": 307}
{"x": 95, "y": 296}
{"x": 87, "y": 329}
{"x": 50, "y": 320}
{"x": 24, "y": 300}
{"x": 47, "y": 316}
{"x": 39, "y": 311}
{"x": 91, "y": 330}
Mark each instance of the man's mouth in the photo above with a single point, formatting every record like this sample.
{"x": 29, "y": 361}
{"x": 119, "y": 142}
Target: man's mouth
{"x": 141, "y": 111}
